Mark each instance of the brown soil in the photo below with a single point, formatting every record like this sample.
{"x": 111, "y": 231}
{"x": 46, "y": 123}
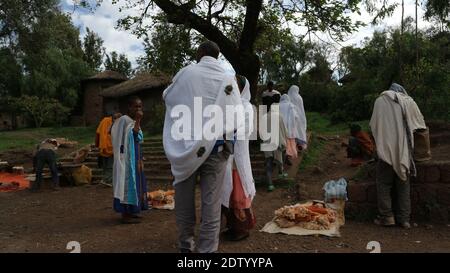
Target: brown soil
{"x": 47, "y": 221}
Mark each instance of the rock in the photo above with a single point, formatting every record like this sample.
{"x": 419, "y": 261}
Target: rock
{"x": 415, "y": 225}
{"x": 318, "y": 170}
{"x": 428, "y": 226}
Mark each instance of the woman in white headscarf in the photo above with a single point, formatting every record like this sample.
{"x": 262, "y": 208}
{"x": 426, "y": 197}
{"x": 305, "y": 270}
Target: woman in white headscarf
{"x": 297, "y": 100}
{"x": 239, "y": 187}
{"x": 291, "y": 121}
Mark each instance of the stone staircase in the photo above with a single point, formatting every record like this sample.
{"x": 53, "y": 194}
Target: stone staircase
{"x": 157, "y": 167}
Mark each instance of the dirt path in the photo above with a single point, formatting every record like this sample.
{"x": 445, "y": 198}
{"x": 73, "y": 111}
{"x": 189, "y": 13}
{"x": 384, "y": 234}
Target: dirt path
{"x": 47, "y": 221}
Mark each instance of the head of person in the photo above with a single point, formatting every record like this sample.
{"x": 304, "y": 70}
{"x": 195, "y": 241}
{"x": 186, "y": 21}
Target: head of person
{"x": 285, "y": 98}
{"x": 354, "y": 129}
{"x": 398, "y": 88}
{"x": 116, "y": 115}
{"x": 208, "y": 48}
{"x": 270, "y": 85}
{"x": 134, "y": 106}
{"x": 52, "y": 141}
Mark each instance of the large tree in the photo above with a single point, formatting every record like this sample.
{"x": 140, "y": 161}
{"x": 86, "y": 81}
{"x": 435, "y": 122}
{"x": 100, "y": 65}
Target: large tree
{"x": 118, "y": 62}
{"x": 93, "y": 50}
{"x": 236, "y": 25}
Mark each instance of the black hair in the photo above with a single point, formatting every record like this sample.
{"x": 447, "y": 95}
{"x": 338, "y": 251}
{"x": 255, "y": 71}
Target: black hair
{"x": 209, "y": 48}
{"x": 241, "y": 81}
{"x": 354, "y": 128}
{"x": 270, "y": 84}
{"x": 267, "y": 100}
{"x": 132, "y": 99}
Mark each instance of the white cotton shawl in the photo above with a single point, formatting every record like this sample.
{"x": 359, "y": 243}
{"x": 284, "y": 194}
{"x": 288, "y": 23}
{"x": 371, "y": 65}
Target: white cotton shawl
{"x": 297, "y": 100}
{"x": 241, "y": 155}
{"x": 389, "y": 130}
{"x": 207, "y": 80}
{"x": 119, "y": 136}
{"x": 290, "y": 117}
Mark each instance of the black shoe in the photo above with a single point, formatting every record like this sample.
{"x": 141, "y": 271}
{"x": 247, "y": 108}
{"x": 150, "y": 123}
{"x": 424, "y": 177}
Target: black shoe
{"x": 236, "y": 236}
{"x": 185, "y": 250}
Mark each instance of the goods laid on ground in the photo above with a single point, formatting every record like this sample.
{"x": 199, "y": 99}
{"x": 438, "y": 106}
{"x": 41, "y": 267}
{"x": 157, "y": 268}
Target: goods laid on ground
{"x": 161, "y": 199}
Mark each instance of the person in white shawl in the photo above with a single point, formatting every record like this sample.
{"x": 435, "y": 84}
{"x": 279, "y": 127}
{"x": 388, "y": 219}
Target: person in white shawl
{"x": 239, "y": 186}
{"x": 297, "y": 100}
{"x": 394, "y": 119}
{"x": 129, "y": 183}
{"x": 273, "y": 150}
{"x": 292, "y": 122}
{"x": 193, "y": 153}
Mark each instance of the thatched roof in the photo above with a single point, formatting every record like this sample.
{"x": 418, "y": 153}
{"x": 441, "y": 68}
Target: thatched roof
{"x": 108, "y": 75}
{"x": 141, "y": 82}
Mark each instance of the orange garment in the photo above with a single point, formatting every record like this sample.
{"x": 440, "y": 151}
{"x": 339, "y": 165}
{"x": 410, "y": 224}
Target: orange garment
{"x": 13, "y": 181}
{"x": 366, "y": 142}
{"x": 291, "y": 148}
{"x": 238, "y": 200}
{"x": 103, "y": 132}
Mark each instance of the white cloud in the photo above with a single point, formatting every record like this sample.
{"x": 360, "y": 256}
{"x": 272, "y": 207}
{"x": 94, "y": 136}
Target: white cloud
{"x": 103, "y": 21}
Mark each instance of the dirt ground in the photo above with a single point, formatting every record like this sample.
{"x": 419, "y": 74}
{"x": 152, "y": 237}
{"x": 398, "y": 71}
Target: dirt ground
{"x": 47, "y": 221}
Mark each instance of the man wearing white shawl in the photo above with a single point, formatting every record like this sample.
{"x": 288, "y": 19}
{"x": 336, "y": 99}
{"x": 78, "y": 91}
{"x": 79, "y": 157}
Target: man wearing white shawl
{"x": 297, "y": 100}
{"x": 192, "y": 153}
{"x": 273, "y": 152}
{"x": 129, "y": 183}
{"x": 394, "y": 119}
{"x": 239, "y": 186}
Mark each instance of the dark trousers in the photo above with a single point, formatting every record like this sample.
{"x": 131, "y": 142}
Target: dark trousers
{"x": 387, "y": 180}
{"x": 42, "y": 158}
{"x": 106, "y": 163}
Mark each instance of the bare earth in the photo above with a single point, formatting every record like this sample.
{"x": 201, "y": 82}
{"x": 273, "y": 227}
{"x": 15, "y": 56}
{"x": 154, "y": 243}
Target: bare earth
{"x": 47, "y": 221}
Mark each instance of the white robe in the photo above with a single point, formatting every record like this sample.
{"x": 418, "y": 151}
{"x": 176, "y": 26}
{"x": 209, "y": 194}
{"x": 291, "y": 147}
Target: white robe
{"x": 121, "y": 168}
{"x": 241, "y": 155}
{"x": 297, "y": 100}
{"x": 290, "y": 117}
{"x": 206, "y": 80}
{"x": 389, "y": 130}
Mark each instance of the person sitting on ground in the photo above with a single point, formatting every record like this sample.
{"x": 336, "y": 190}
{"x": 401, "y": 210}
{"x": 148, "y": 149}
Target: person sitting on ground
{"x": 45, "y": 154}
{"x": 360, "y": 146}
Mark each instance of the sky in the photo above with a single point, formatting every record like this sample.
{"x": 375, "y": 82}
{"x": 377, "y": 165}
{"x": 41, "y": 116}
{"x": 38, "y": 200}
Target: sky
{"x": 103, "y": 21}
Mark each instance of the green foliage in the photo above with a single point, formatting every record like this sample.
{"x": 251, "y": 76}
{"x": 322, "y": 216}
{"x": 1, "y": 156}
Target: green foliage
{"x": 169, "y": 48}
{"x": 93, "y": 50}
{"x": 372, "y": 68}
{"x": 119, "y": 63}
{"x": 42, "y": 110}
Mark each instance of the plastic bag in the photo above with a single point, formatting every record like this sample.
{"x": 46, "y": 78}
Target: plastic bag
{"x": 335, "y": 190}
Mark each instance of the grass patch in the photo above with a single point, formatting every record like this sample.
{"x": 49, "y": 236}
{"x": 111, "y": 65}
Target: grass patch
{"x": 313, "y": 152}
{"x": 28, "y": 138}
{"x": 320, "y": 124}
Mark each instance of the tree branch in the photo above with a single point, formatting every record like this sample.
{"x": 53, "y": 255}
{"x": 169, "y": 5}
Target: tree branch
{"x": 181, "y": 14}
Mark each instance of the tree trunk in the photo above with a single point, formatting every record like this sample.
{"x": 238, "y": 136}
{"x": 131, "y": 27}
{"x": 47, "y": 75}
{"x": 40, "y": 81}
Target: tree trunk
{"x": 241, "y": 55}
